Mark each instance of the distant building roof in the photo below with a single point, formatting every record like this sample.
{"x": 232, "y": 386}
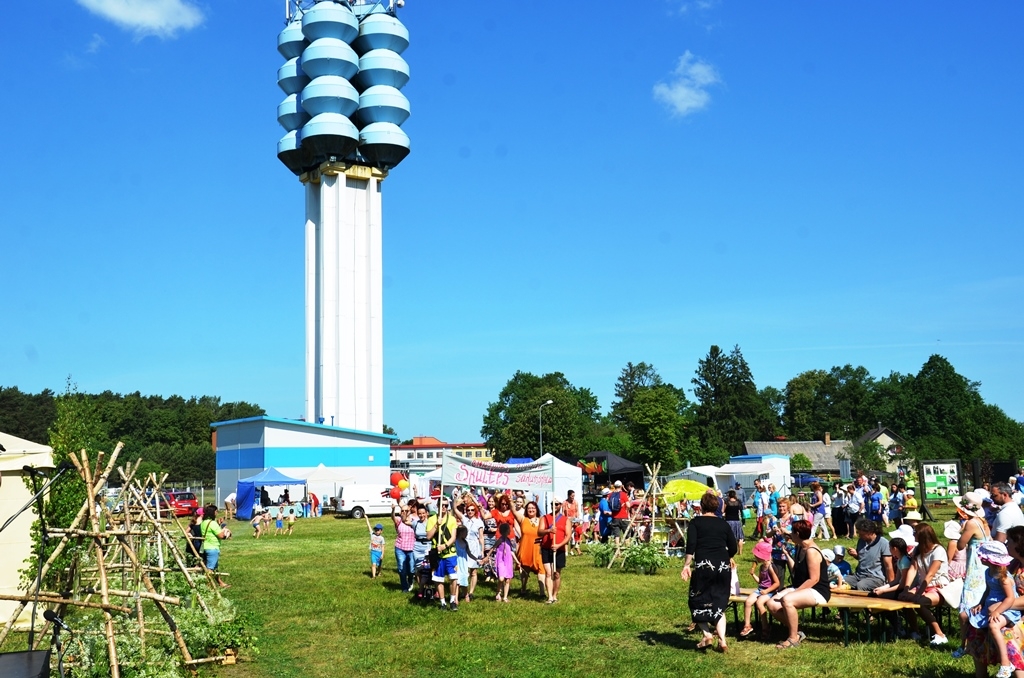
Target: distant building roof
{"x": 430, "y": 442}
{"x": 823, "y": 457}
{"x": 876, "y": 433}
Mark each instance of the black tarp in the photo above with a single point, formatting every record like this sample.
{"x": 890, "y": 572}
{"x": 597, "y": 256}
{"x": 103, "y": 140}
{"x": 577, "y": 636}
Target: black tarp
{"x": 617, "y": 468}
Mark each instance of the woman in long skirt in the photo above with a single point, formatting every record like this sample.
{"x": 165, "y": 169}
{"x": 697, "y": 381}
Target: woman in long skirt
{"x": 710, "y": 547}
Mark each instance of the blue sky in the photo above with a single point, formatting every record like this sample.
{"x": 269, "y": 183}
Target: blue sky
{"x": 589, "y": 184}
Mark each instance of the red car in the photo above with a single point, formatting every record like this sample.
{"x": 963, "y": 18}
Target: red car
{"x": 184, "y": 503}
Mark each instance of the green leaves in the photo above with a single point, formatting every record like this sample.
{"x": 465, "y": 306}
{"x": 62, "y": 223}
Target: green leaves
{"x": 730, "y": 409}
{"x": 644, "y": 558}
{"x": 512, "y": 424}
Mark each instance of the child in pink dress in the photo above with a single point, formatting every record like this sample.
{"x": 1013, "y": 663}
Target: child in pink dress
{"x": 504, "y": 556}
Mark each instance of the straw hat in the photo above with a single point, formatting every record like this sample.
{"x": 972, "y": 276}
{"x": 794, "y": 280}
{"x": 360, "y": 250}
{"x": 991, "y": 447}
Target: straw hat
{"x": 913, "y": 515}
{"x": 970, "y": 504}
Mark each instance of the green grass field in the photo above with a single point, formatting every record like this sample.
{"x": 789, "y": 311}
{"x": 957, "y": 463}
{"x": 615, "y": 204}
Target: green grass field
{"x": 323, "y": 616}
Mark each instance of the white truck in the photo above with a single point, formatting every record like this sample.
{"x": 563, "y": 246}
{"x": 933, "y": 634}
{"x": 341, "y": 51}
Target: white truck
{"x": 365, "y": 500}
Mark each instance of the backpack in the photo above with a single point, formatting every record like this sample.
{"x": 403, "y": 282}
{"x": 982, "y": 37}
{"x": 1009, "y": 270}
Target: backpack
{"x": 615, "y": 501}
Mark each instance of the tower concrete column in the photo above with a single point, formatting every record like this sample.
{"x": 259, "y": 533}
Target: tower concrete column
{"x": 344, "y": 301}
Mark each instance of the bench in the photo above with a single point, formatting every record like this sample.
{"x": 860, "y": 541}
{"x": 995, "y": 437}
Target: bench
{"x": 846, "y": 602}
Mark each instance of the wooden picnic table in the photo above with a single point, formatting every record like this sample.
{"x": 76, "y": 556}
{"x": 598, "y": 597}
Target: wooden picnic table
{"x": 844, "y": 602}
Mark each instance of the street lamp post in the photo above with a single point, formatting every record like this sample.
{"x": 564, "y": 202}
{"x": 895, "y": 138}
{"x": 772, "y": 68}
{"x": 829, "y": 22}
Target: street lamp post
{"x": 540, "y": 418}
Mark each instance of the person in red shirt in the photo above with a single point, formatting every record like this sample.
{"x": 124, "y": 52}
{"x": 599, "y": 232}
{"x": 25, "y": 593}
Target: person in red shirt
{"x": 554, "y": 532}
{"x": 620, "y": 518}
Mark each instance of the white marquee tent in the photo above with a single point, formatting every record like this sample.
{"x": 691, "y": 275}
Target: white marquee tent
{"x": 324, "y": 481}
{"x": 16, "y": 540}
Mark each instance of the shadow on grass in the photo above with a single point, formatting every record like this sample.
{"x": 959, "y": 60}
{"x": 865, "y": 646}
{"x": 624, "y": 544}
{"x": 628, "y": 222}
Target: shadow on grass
{"x": 943, "y": 672}
{"x": 676, "y": 640}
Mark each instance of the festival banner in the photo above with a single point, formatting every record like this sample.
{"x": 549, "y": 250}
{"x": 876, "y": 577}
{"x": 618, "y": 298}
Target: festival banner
{"x": 537, "y": 475}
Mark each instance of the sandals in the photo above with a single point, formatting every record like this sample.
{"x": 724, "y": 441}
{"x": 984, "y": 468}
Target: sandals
{"x": 705, "y": 642}
{"x": 786, "y": 644}
{"x": 746, "y": 631}
{"x": 721, "y": 646}
{"x": 691, "y": 628}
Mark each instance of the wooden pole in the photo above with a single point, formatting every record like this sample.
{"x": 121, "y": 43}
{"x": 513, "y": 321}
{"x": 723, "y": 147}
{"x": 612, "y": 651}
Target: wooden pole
{"x": 57, "y": 599}
{"x": 115, "y": 669}
{"x": 159, "y": 605}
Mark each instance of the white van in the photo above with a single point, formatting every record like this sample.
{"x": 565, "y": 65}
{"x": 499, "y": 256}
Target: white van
{"x": 365, "y": 500}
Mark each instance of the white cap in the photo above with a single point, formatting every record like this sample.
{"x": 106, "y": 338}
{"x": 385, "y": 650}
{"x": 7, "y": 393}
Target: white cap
{"x": 829, "y": 555}
{"x": 618, "y": 483}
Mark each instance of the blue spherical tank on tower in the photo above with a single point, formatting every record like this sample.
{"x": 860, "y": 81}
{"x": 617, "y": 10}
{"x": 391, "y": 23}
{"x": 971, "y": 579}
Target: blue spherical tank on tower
{"x": 381, "y": 67}
{"x": 329, "y": 56}
{"x": 327, "y": 136}
{"x": 383, "y": 144}
{"x": 290, "y": 77}
{"x": 330, "y": 94}
{"x": 291, "y": 41}
{"x": 330, "y": 19}
{"x": 382, "y": 103}
{"x": 381, "y": 31}
{"x": 294, "y": 157}
{"x": 291, "y": 114}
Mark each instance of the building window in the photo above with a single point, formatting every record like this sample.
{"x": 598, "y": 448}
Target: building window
{"x": 408, "y": 455}
{"x": 430, "y": 455}
{"x": 479, "y": 453}
{"x": 419, "y": 455}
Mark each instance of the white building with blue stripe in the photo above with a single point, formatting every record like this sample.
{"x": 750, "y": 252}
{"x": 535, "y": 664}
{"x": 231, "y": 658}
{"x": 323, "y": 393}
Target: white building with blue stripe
{"x": 244, "y": 447}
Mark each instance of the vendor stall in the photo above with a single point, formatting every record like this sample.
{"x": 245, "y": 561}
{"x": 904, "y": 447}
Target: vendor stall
{"x": 247, "y": 497}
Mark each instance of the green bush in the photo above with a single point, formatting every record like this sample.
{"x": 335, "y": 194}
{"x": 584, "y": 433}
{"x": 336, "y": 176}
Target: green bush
{"x": 601, "y": 553}
{"x": 644, "y": 558}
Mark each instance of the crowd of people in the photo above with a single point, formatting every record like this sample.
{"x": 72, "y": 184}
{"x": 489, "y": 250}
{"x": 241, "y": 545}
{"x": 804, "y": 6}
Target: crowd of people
{"x": 479, "y": 534}
{"x": 978, "y": 571}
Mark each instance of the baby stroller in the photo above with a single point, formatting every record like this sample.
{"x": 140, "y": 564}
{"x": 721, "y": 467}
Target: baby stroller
{"x": 426, "y": 592}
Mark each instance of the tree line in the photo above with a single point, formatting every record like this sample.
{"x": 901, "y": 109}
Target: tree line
{"x": 938, "y": 413}
{"x": 171, "y": 435}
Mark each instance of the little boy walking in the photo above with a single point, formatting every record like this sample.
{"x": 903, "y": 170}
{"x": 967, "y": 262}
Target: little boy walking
{"x": 376, "y": 548}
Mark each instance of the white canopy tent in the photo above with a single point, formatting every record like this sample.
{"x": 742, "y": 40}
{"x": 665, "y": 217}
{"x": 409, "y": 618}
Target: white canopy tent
{"x": 698, "y": 474}
{"x": 323, "y": 481}
{"x": 16, "y": 540}
{"x": 744, "y": 470}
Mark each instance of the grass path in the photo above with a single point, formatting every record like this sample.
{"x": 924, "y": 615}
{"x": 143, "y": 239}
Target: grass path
{"x": 322, "y": 616}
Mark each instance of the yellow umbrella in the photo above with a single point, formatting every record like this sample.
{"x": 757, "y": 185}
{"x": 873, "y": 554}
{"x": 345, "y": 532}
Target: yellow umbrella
{"x": 680, "y": 489}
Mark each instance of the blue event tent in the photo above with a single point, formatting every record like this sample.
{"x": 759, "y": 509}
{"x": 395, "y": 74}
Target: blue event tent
{"x": 246, "y": 491}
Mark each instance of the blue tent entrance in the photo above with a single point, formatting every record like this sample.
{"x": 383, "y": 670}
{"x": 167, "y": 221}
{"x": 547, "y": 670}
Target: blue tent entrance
{"x": 246, "y": 491}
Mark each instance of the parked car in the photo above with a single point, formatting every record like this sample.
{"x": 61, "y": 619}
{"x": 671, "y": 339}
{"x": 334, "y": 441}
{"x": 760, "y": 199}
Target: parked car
{"x": 184, "y": 503}
{"x": 805, "y": 479}
{"x": 165, "y": 506}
